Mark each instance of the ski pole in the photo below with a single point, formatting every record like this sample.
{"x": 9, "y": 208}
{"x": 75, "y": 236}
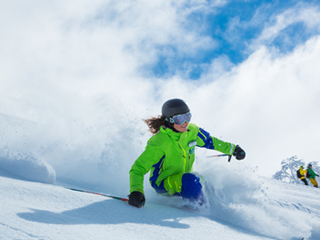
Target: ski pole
{"x": 101, "y": 194}
{"x": 221, "y": 155}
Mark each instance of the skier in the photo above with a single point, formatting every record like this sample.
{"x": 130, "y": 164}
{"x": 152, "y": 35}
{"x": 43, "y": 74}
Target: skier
{"x": 312, "y": 176}
{"x": 303, "y": 175}
{"x": 170, "y": 153}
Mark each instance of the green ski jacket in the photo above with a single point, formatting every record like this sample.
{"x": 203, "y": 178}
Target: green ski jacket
{"x": 169, "y": 155}
{"x": 311, "y": 173}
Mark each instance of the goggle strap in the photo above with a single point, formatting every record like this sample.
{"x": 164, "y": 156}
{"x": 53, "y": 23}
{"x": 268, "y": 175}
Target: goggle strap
{"x": 169, "y": 120}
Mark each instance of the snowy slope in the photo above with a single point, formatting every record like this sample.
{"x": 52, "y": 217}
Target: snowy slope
{"x": 35, "y": 204}
{"x": 32, "y": 210}
{"x": 39, "y": 211}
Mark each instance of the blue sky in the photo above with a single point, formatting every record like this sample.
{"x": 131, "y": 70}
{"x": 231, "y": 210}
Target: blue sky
{"x": 233, "y": 26}
{"x": 91, "y": 70}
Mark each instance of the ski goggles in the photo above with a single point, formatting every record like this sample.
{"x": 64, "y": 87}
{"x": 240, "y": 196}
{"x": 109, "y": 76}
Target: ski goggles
{"x": 181, "y": 118}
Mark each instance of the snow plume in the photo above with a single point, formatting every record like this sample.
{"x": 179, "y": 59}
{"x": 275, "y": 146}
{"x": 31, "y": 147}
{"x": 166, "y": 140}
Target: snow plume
{"x": 237, "y": 195}
{"x": 94, "y": 152}
{"x": 26, "y": 166}
{"x": 21, "y": 144}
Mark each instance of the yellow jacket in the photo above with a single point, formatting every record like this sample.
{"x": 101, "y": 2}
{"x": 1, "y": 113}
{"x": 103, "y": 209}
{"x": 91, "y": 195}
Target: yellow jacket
{"x": 303, "y": 173}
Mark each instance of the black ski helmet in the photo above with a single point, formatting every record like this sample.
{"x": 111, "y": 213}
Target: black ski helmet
{"x": 174, "y": 107}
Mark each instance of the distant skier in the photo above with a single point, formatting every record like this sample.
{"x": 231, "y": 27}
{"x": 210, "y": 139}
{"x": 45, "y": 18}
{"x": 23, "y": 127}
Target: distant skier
{"x": 170, "y": 154}
{"x": 301, "y": 174}
{"x": 312, "y": 176}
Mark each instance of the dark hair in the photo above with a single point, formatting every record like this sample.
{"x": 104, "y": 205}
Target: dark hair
{"x": 154, "y": 123}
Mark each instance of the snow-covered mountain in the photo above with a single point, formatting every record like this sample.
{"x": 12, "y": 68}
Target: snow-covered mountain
{"x": 35, "y": 203}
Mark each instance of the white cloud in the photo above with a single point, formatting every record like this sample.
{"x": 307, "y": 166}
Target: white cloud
{"x": 306, "y": 14}
{"x": 268, "y": 104}
{"x": 76, "y": 68}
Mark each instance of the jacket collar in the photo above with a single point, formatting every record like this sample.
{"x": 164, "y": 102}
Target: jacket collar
{"x": 172, "y": 134}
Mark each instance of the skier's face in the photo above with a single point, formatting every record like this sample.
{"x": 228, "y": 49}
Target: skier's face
{"x": 181, "y": 128}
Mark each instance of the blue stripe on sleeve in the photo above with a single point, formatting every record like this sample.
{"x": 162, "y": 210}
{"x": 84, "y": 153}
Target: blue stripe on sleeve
{"x": 158, "y": 167}
{"x": 206, "y": 138}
